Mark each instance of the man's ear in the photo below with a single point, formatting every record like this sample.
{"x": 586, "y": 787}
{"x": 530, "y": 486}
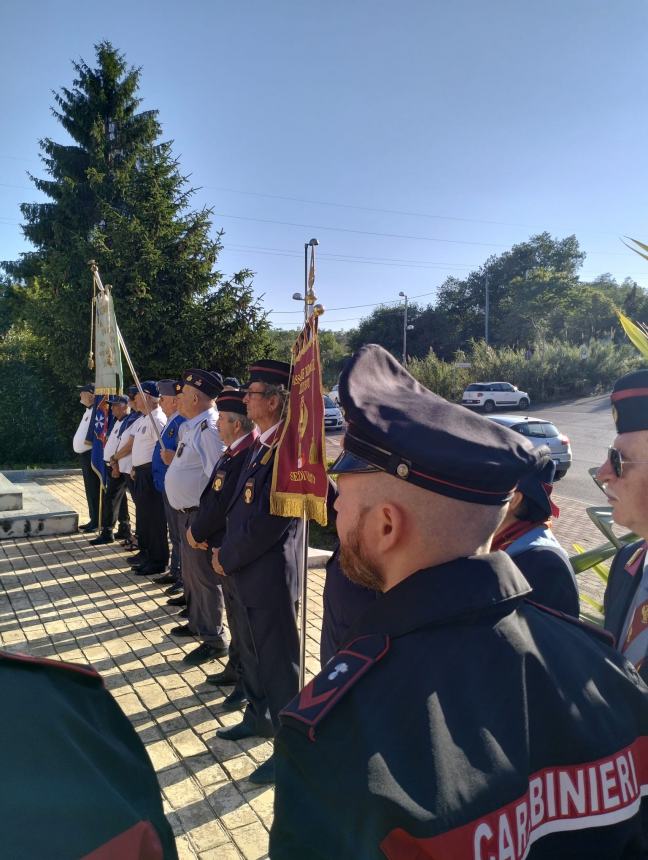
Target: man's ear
{"x": 515, "y": 502}
{"x": 390, "y": 526}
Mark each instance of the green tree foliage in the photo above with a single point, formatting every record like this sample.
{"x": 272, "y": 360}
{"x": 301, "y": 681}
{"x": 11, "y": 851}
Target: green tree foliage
{"x": 116, "y": 195}
{"x": 334, "y": 350}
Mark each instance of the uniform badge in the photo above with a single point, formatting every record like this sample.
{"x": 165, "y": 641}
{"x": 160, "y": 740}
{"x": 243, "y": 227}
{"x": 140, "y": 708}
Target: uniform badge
{"x": 171, "y": 433}
{"x": 180, "y": 449}
{"x": 219, "y": 480}
{"x": 248, "y": 492}
{"x": 203, "y": 425}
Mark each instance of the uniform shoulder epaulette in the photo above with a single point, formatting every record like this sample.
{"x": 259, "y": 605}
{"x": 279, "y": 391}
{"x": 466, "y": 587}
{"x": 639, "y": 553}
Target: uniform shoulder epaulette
{"x": 204, "y": 424}
{"x": 60, "y": 665}
{"x": 587, "y": 626}
{"x": 319, "y": 697}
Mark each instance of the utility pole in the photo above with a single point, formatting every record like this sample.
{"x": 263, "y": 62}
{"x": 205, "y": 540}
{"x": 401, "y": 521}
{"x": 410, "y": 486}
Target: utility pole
{"x": 404, "y": 329}
{"x": 487, "y": 309}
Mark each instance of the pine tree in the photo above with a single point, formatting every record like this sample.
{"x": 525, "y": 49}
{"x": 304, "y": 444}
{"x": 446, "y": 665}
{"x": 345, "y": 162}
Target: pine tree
{"x": 117, "y": 196}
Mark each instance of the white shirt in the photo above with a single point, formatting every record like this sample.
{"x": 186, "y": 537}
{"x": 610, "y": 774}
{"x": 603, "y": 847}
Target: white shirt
{"x": 112, "y": 441}
{"x": 79, "y": 441}
{"x": 126, "y": 463}
{"x": 199, "y": 449}
{"x": 263, "y": 438}
{"x": 145, "y": 437}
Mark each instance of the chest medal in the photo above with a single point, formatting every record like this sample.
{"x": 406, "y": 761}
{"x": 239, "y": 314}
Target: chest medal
{"x": 248, "y": 492}
{"x": 219, "y": 480}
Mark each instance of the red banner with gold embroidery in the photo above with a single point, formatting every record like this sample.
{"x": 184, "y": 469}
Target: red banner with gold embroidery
{"x": 299, "y": 481}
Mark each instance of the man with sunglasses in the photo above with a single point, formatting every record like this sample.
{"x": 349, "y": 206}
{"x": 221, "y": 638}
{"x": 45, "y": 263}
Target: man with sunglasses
{"x": 624, "y": 477}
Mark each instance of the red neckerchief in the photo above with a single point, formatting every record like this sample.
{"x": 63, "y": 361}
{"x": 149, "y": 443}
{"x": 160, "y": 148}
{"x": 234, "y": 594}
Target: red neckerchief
{"x": 505, "y": 538}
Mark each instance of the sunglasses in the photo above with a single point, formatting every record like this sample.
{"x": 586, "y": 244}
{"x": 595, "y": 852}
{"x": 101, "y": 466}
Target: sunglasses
{"x": 617, "y": 461}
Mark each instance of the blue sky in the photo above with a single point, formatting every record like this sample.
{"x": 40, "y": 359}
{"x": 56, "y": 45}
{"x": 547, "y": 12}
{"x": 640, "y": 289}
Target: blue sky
{"x": 413, "y": 139}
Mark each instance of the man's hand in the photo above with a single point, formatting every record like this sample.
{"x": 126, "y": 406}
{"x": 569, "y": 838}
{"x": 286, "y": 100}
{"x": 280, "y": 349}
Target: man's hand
{"x": 216, "y": 563}
{"x": 193, "y": 543}
{"x": 167, "y": 456}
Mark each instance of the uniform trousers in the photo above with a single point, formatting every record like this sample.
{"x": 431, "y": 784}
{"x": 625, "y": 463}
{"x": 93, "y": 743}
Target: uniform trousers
{"x": 172, "y": 519}
{"x": 115, "y": 503}
{"x": 91, "y": 486}
{"x": 151, "y": 522}
{"x": 202, "y": 587}
{"x": 269, "y": 651}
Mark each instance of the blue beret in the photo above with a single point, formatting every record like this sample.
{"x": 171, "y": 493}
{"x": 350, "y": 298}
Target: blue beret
{"x": 538, "y": 486}
{"x": 150, "y": 387}
{"x": 89, "y": 388}
{"x": 397, "y": 426}
{"x": 630, "y": 402}
{"x": 118, "y": 398}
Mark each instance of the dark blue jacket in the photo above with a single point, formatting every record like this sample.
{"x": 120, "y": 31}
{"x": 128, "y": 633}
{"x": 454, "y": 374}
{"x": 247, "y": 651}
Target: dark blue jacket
{"x": 461, "y": 721}
{"x": 620, "y": 591}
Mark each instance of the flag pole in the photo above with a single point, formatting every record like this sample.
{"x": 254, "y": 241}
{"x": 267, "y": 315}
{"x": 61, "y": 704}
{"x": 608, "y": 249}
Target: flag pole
{"x": 309, "y": 310}
{"x": 120, "y": 339}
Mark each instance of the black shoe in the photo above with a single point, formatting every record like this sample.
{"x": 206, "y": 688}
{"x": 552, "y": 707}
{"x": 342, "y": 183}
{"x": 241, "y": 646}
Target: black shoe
{"x": 235, "y": 701}
{"x": 123, "y": 532}
{"x": 204, "y": 653}
{"x": 184, "y": 613}
{"x": 264, "y": 774}
{"x": 182, "y": 630}
{"x": 88, "y": 527}
{"x": 139, "y": 558}
{"x": 223, "y": 679}
{"x": 180, "y": 600}
{"x": 240, "y": 731}
{"x": 147, "y": 569}
{"x": 104, "y": 537}
{"x": 177, "y": 589}
{"x": 165, "y": 579}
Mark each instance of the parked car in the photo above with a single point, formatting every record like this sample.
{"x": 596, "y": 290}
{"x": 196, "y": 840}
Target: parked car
{"x": 541, "y": 432}
{"x": 494, "y": 395}
{"x": 334, "y": 395}
{"x": 333, "y": 419}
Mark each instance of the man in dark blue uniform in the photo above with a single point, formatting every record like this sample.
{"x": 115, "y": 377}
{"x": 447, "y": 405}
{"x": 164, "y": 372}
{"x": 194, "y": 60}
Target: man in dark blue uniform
{"x": 624, "y": 476}
{"x": 260, "y": 552}
{"x": 458, "y": 720}
{"x": 76, "y": 779}
{"x": 208, "y": 528}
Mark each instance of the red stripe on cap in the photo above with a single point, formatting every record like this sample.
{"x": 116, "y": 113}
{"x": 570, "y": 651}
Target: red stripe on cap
{"x": 269, "y": 370}
{"x": 460, "y": 486}
{"x": 629, "y": 392}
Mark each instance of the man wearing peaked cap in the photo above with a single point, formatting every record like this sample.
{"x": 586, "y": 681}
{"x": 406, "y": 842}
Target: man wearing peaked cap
{"x": 115, "y": 503}
{"x": 199, "y": 449}
{"x": 83, "y": 447}
{"x": 260, "y": 553}
{"x": 457, "y": 716}
{"x": 525, "y": 534}
{"x": 624, "y": 476}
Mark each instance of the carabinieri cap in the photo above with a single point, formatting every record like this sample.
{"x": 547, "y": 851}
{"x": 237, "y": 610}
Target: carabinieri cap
{"x": 399, "y": 427}
{"x": 231, "y": 401}
{"x": 630, "y": 402}
{"x": 269, "y": 371}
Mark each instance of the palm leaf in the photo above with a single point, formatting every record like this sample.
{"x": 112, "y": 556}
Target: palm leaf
{"x": 636, "y": 335}
{"x": 637, "y": 242}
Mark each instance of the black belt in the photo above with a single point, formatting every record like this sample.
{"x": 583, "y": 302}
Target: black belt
{"x": 142, "y": 467}
{"x": 187, "y": 510}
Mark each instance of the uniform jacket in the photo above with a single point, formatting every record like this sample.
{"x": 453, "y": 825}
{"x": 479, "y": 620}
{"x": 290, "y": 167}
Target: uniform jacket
{"x": 76, "y": 779}
{"x": 622, "y": 584}
{"x": 170, "y": 438}
{"x": 209, "y": 523}
{"x": 461, "y": 722}
{"x": 260, "y": 551}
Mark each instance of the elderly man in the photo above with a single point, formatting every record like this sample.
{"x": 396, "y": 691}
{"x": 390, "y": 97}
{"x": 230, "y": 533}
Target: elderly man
{"x": 83, "y": 448}
{"x": 115, "y": 504}
{"x": 260, "y": 552}
{"x": 208, "y": 527}
{"x": 169, "y": 391}
{"x": 458, "y": 720}
{"x": 624, "y": 476}
{"x": 151, "y": 522}
{"x": 199, "y": 449}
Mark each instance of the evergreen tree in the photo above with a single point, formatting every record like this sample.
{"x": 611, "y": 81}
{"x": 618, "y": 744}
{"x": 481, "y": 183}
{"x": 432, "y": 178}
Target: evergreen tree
{"x": 117, "y": 196}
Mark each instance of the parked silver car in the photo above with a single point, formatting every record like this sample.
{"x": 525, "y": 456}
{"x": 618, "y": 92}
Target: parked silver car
{"x": 541, "y": 432}
{"x": 333, "y": 418}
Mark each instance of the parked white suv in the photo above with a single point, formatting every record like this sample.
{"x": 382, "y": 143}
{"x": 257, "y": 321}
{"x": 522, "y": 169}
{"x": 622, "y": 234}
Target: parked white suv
{"x": 494, "y": 395}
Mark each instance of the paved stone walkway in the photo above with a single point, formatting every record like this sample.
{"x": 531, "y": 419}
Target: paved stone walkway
{"x": 63, "y": 599}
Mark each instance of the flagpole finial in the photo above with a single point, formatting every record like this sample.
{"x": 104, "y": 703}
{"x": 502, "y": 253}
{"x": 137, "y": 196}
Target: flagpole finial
{"x": 93, "y": 266}
{"x": 319, "y": 309}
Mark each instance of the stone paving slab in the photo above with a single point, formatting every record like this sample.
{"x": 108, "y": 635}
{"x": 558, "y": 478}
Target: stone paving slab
{"x": 63, "y": 599}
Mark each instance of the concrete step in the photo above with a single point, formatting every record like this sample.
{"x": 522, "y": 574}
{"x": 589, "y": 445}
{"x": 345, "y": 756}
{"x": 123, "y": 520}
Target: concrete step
{"x": 10, "y": 495}
{"x": 41, "y": 514}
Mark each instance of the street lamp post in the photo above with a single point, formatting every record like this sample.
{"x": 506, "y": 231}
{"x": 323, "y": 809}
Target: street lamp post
{"x": 406, "y": 328}
{"x": 309, "y": 296}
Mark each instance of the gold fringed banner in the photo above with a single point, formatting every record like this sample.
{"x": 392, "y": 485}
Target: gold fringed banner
{"x": 299, "y": 481}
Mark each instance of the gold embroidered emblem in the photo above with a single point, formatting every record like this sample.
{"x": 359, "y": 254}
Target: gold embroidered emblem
{"x": 248, "y": 492}
{"x": 644, "y": 614}
{"x": 217, "y": 486}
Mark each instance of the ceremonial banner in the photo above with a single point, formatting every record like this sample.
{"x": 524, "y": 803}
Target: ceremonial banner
{"x": 108, "y": 377}
{"x": 299, "y": 481}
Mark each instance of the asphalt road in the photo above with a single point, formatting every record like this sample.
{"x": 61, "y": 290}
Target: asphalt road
{"x": 588, "y": 424}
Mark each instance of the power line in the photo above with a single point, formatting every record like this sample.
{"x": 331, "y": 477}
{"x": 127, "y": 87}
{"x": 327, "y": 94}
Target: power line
{"x": 373, "y": 305}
